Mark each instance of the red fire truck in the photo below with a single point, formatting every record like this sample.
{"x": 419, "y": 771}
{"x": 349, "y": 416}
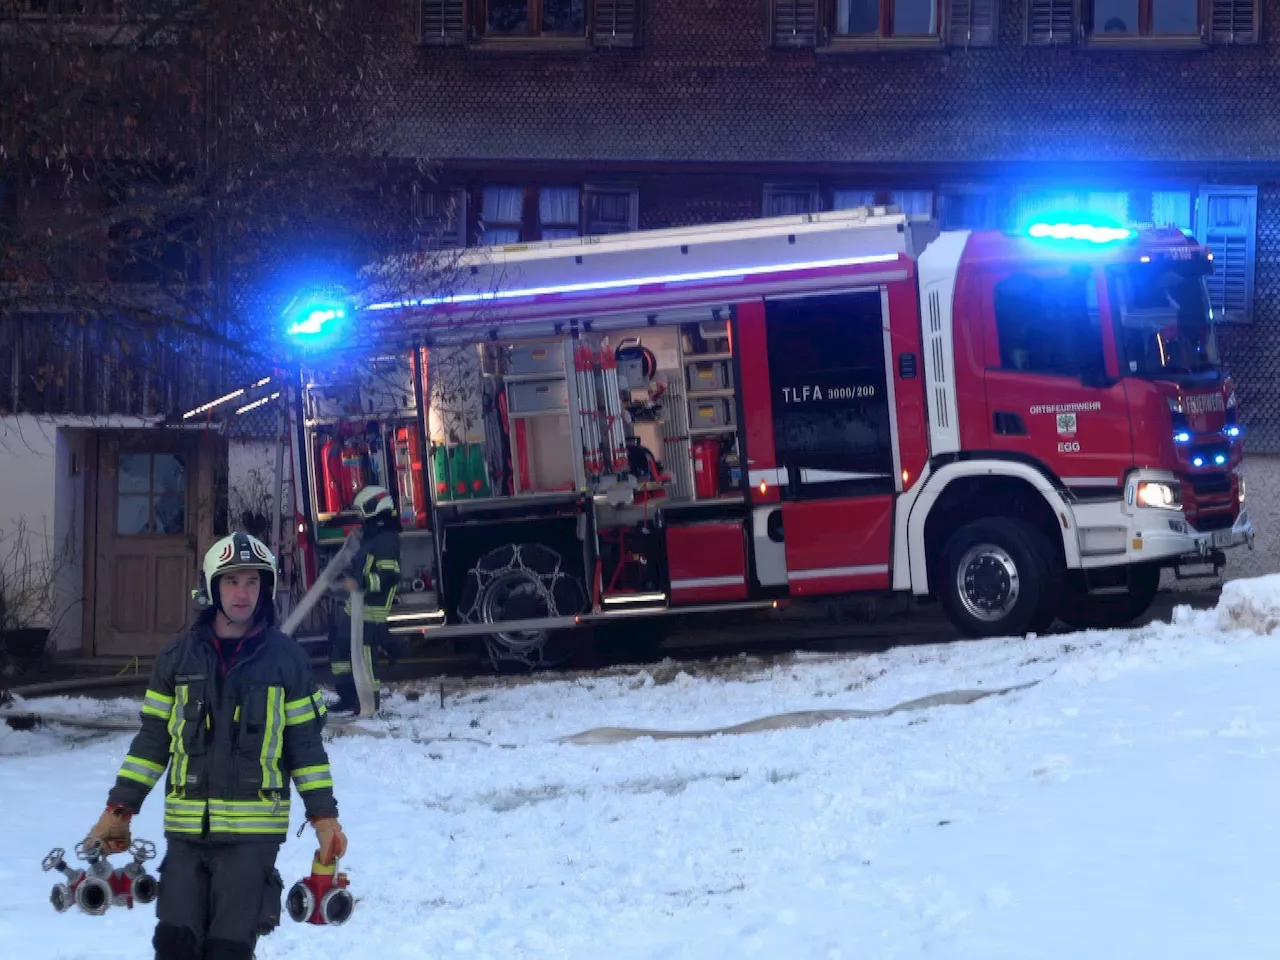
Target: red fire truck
{"x": 611, "y": 430}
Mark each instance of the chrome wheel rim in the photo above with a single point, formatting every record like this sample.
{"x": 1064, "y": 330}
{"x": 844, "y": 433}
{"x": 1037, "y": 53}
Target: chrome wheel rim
{"x": 988, "y": 583}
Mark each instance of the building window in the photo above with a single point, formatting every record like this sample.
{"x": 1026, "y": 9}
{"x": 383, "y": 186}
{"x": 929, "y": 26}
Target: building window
{"x": 971, "y": 207}
{"x": 525, "y": 214}
{"x": 913, "y": 203}
{"x": 1032, "y": 203}
{"x": 885, "y": 18}
{"x": 602, "y": 23}
{"x": 151, "y": 494}
{"x": 1143, "y": 22}
{"x": 1226, "y": 224}
{"x": 439, "y": 215}
{"x": 790, "y": 199}
{"x": 1173, "y": 208}
{"x": 864, "y": 24}
{"x": 534, "y": 18}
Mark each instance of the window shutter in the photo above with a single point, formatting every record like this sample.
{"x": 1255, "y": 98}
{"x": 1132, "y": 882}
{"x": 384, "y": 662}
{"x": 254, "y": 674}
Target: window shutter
{"x": 972, "y": 23}
{"x": 795, "y": 23}
{"x": 442, "y": 23}
{"x": 1226, "y": 221}
{"x": 1051, "y": 21}
{"x": 617, "y": 23}
{"x": 1234, "y": 21}
{"x": 610, "y": 210}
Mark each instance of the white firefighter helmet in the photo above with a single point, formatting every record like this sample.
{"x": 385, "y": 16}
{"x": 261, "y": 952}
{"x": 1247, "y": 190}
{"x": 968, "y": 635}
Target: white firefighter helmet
{"x": 236, "y": 552}
{"x": 373, "y": 500}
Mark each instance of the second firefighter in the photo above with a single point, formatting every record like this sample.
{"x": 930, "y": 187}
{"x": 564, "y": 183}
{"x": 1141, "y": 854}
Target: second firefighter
{"x": 375, "y": 569}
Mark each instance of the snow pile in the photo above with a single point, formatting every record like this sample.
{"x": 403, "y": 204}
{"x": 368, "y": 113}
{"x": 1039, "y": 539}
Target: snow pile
{"x": 1250, "y": 605}
{"x": 1123, "y": 805}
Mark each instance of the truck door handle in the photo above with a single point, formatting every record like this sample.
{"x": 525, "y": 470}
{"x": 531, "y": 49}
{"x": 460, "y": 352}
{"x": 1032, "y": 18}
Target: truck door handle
{"x": 1009, "y": 424}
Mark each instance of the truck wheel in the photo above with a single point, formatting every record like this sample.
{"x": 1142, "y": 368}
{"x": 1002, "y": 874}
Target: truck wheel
{"x": 992, "y": 577}
{"x": 1106, "y": 612}
{"x": 526, "y": 581}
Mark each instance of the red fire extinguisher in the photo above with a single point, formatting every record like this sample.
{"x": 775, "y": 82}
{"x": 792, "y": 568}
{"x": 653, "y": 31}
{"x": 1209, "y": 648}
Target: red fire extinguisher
{"x": 353, "y": 471}
{"x": 331, "y": 475}
{"x": 413, "y": 512}
{"x": 706, "y": 468}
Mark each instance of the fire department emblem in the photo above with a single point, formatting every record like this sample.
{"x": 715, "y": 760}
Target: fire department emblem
{"x": 1066, "y": 424}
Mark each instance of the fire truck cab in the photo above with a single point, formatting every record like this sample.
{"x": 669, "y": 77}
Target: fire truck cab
{"x": 1025, "y": 426}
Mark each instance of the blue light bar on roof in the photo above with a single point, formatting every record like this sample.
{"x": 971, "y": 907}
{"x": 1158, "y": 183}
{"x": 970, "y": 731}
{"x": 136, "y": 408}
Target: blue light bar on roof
{"x": 1088, "y": 232}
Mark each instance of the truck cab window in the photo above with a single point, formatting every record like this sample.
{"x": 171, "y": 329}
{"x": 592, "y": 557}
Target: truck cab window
{"x": 1165, "y": 320}
{"x": 1049, "y": 324}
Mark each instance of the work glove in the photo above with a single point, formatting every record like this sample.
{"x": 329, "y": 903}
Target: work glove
{"x": 333, "y": 842}
{"x": 112, "y": 829}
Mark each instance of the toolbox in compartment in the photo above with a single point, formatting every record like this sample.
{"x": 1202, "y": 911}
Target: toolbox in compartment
{"x": 716, "y": 412}
{"x": 535, "y": 396}
{"x": 707, "y": 562}
{"x": 536, "y": 358}
{"x": 708, "y": 375}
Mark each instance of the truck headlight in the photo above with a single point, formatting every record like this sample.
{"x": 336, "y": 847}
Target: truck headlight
{"x": 1240, "y": 489}
{"x": 1165, "y": 496}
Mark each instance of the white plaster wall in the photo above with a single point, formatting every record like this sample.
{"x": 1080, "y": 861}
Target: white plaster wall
{"x": 251, "y": 469}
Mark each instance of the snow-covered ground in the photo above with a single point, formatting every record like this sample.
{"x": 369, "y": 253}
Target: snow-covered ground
{"x": 1123, "y": 806}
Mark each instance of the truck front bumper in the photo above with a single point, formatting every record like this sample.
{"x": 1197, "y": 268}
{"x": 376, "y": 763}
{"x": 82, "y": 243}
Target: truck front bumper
{"x": 1114, "y": 533}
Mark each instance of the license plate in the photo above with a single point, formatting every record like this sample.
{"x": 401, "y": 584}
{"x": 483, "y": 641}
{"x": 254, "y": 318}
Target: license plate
{"x": 1223, "y": 538}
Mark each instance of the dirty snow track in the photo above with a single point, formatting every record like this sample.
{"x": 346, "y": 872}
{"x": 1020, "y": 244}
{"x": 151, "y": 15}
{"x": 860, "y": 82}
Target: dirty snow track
{"x": 1122, "y": 806}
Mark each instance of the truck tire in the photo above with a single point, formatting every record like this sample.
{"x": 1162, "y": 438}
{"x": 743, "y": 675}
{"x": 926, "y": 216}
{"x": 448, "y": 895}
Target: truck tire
{"x": 524, "y": 581}
{"x": 1107, "y": 612}
{"x": 992, "y": 578}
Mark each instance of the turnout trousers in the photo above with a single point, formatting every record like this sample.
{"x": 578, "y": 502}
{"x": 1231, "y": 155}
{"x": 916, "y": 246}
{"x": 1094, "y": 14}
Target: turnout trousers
{"x": 375, "y": 635}
{"x": 216, "y": 899}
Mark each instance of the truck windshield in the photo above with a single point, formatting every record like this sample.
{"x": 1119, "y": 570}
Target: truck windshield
{"x": 1165, "y": 322}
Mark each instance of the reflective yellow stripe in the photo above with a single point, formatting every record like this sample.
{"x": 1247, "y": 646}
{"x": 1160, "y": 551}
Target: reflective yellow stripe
{"x": 339, "y": 667}
{"x": 178, "y": 749}
{"x": 248, "y": 825}
{"x": 312, "y": 778}
{"x": 375, "y": 582}
{"x": 143, "y": 771}
{"x": 183, "y": 816}
{"x": 236, "y": 716}
{"x": 157, "y": 705}
{"x": 250, "y": 808}
{"x": 389, "y": 565}
{"x": 317, "y": 699}
{"x": 299, "y": 711}
{"x": 273, "y": 740}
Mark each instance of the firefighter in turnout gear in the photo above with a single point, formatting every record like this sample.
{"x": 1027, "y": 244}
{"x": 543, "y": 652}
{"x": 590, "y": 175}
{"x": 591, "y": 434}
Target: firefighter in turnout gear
{"x": 375, "y": 569}
{"x": 232, "y": 711}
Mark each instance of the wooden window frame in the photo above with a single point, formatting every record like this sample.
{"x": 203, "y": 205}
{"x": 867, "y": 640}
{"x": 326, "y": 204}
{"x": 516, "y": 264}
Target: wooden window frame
{"x": 530, "y": 224}
{"x": 778, "y": 188}
{"x": 480, "y": 25}
{"x": 883, "y": 38}
{"x": 607, "y": 24}
{"x": 1144, "y": 37}
{"x": 796, "y": 24}
{"x": 1063, "y": 22}
{"x": 432, "y": 228}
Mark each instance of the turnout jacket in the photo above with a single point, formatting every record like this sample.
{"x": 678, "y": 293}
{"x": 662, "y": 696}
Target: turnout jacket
{"x": 376, "y": 566}
{"x": 231, "y": 744}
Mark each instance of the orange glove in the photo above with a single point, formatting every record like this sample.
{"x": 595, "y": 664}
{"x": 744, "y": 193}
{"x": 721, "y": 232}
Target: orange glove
{"x": 333, "y": 842}
{"x": 112, "y": 830}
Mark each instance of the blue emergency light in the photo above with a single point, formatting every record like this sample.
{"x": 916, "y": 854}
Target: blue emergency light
{"x": 314, "y": 321}
{"x": 1087, "y": 232}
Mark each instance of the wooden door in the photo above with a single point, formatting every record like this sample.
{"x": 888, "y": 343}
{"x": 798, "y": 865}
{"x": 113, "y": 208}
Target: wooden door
{"x": 145, "y": 557}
